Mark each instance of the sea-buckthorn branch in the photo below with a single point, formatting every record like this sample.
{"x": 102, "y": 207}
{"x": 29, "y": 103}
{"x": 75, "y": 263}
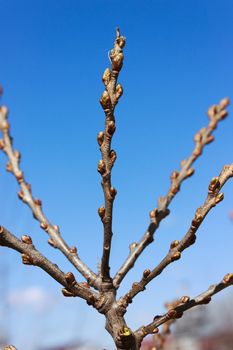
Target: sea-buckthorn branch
{"x": 108, "y": 101}
{"x": 185, "y": 304}
{"x": 25, "y": 194}
{"x": 214, "y": 197}
{"x": 31, "y": 256}
{"x": 215, "y": 113}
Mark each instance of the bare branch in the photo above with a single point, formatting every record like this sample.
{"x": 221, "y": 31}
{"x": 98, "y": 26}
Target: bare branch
{"x": 216, "y": 113}
{"x": 185, "y": 304}
{"x": 25, "y": 194}
{"x": 213, "y": 198}
{"x": 108, "y": 101}
{"x": 31, "y": 256}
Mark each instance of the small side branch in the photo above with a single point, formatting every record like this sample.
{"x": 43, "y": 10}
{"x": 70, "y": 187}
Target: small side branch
{"x": 215, "y": 113}
{"x": 108, "y": 101}
{"x": 25, "y": 194}
{"x": 214, "y": 197}
{"x": 31, "y": 256}
{"x": 185, "y": 304}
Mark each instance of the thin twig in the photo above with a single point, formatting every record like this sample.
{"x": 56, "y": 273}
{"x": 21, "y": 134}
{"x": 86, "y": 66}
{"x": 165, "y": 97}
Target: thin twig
{"x": 185, "y": 304}
{"x": 213, "y": 198}
{"x": 216, "y": 113}
{"x": 108, "y": 101}
{"x": 25, "y": 194}
{"x": 31, "y": 256}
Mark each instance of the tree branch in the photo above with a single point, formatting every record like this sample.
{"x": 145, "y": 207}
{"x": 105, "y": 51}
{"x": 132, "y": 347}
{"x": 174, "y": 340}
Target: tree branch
{"x": 108, "y": 101}
{"x": 31, "y": 256}
{"x": 185, "y": 304}
{"x": 176, "y": 247}
{"x": 216, "y": 113}
{"x": 25, "y": 194}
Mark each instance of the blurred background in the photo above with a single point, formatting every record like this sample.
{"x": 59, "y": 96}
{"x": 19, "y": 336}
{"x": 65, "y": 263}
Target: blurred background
{"x": 178, "y": 62}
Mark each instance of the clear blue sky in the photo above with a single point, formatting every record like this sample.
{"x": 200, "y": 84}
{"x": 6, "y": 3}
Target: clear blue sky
{"x": 178, "y": 61}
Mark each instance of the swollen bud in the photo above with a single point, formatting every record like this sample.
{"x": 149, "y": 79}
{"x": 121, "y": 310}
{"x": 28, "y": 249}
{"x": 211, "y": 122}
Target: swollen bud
{"x": 105, "y": 100}
{"x": 26, "y": 239}
{"x": 119, "y": 91}
{"x": 106, "y": 76}
{"x": 101, "y": 167}
{"x": 100, "y": 138}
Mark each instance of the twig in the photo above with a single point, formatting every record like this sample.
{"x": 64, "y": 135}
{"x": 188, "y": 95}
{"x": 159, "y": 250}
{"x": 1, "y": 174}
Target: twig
{"x": 25, "y": 194}
{"x": 216, "y": 113}
{"x": 108, "y": 101}
{"x": 176, "y": 247}
{"x": 31, "y": 256}
{"x": 185, "y": 304}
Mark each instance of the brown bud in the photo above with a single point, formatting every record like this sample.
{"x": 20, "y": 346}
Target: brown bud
{"x": 190, "y": 172}
{"x": 26, "y": 259}
{"x": 105, "y": 100}
{"x": 117, "y": 61}
{"x": 155, "y": 330}
{"x": 212, "y": 111}
{"x": 44, "y": 225}
{"x": 37, "y": 202}
{"x": 153, "y": 214}
{"x": 20, "y": 195}
{"x": 1, "y": 229}
{"x": 113, "y": 156}
{"x": 106, "y": 76}
{"x": 52, "y": 243}
{"x": 100, "y": 138}
{"x": 2, "y": 144}
{"x": 73, "y": 250}
{"x": 228, "y": 278}
{"x": 19, "y": 176}
{"x": 174, "y": 175}
{"x": 56, "y": 228}
{"x": 219, "y": 198}
{"x": 121, "y": 41}
{"x": 184, "y": 299}
{"x": 174, "y": 244}
{"x": 111, "y": 127}
{"x": 175, "y": 189}
{"x": 101, "y": 167}
{"x": 9, "y": 167}
{"x": 4, "y": 126}
{"x": 28, "y": 187}
{"x": 67, "y": 293}
{"x": 224, "y": 103}
{"x": 198, "y": 137}
{"x": 70, "y": 279}
{"x": 172, "y": 313}
{"x": 113, "y": 192}
{"x": 26, "y": 239}
{"x": 176, "y": 256}
{"x": 101, "y": 212}
{"x": 223, "y": 114}
{"x": 146, "y": 273}
{"x": 206, "y": 300}
{"x": 209, "y": 139}
{"x": 119, "y": 91}
{"x": 214, "y": 184}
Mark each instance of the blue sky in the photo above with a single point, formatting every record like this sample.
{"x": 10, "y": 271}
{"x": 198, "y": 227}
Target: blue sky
{"x": 178, "y": 62}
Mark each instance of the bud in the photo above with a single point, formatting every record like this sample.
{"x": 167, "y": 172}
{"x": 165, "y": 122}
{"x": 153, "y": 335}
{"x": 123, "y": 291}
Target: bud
{"x": 113, "y": 192}
{"x": 4, "y": 111}
{"x": 174, "y": 244}
{"x": 106, "y": 76}
{"x": 44, "y": 225}
{"x": 153, "y": 214}
{"x": 209, "y": 139}
{"x": 224, "y": 103}
{"x": 174, "y": 175}
{"x": 2, "y": 145}
{"x": 20, "y": 195}
{"x": 214, "y": 184}
{"x": 228, "y": 278}
{"x": 146, "y": 273}
{"x": 37, "y": 202}
{"x": 155, "y": 330}
{"x": 111, "y": 127}
{"x": 212, "y": 111}
{"x": 172, "y": 313}
{"x": 132, "y": 246}
{"x": 121, "y": 41}
{"x": 67, "y": 293}
{"x": 113, "y": 156}
{"x": 52, "y": 243}
{"x": 117, "y": 61}
{"x": 70, "y": 279}
{"x": 73, "y": 250}
{"x": 219, "y": 198}
{"x": 101, "y": 212}
{"x": 119, "y": 91}
{"x": 100, "y": 138}
{"x": 105, "y": 100}
{"x": 9, "y": 167}
{"x": 185, "y": 299}
{"x": 19, "y": 176}
{"x": 190, "y": 172}
{"x": 176, "y": 256}
{"x": 26, "y": 259}
{"x": 26, "y": 239}
{"x": 17, "y": 155}
{"x": 197, "y": 137}
{"x": 223, "y": 114}
{"x": 101, "y": 167}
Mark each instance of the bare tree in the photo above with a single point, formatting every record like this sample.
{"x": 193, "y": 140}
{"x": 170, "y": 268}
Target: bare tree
{"x": 100, "y": 288}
